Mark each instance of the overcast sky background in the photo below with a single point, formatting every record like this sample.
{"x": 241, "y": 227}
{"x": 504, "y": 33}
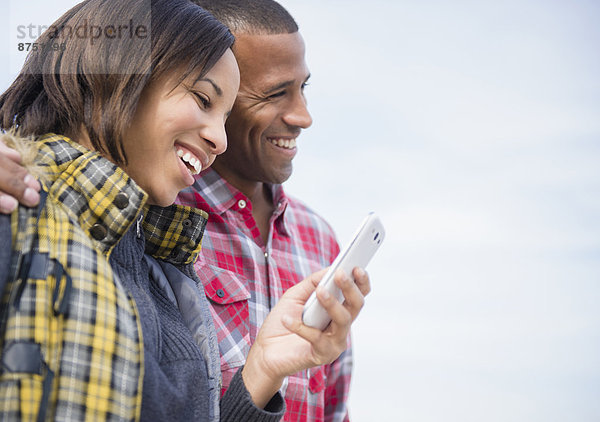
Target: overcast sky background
{"x": 473, "y": 129}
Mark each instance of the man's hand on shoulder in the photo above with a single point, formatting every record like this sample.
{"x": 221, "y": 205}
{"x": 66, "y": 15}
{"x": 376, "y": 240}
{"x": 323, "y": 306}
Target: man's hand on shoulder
{"x": 16, "y": 185}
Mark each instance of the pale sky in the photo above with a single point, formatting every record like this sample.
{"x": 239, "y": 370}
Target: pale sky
{"x": 472, "y": 128}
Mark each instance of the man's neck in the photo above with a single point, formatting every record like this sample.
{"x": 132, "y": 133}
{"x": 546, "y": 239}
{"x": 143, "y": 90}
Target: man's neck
{"x": 262, "y": 210}
{"x": 260, "y": 196}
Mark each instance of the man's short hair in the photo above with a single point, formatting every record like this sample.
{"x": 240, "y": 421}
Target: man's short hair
{"x": 255, "y": 17}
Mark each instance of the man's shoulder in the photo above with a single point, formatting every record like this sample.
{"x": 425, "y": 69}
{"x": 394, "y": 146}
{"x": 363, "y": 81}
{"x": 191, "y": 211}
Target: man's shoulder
{"x": 303, "y": 213}
{"x": 311, "y": 229}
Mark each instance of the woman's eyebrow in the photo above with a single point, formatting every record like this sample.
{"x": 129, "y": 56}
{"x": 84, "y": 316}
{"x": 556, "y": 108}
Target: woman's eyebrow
{"x": 218, "y": 90}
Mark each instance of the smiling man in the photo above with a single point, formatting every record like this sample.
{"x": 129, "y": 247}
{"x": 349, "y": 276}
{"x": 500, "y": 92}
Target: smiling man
{"x": 259, "y": 241}
{"x": 269, "y": 114}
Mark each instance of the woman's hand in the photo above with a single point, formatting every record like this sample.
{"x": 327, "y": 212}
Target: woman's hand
{"x": 16, "y": 185}
{"x": 285, "y": 346}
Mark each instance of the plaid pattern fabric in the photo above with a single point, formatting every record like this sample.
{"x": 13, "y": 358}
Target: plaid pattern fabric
{"x": 72, "y": 337}
{"x": 174, "y": 233}
{"x": 244, "y": 279}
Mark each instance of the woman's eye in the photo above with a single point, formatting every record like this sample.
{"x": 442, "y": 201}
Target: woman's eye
{"x": 203, "y": 100}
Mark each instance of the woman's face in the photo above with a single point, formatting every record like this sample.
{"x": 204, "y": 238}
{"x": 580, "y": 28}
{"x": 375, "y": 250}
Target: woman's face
{"x": 178, "y": 130}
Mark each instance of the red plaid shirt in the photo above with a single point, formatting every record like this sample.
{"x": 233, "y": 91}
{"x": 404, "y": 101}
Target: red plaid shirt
{"x": 244, "y": 279}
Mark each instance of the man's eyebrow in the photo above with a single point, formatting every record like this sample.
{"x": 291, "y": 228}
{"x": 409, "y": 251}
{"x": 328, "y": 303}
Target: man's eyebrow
{"x": 215, "y": 86}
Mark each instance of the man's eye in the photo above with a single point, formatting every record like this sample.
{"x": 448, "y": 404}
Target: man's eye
{"x": 277, "y": 94}
{"x": 304, "y": 85}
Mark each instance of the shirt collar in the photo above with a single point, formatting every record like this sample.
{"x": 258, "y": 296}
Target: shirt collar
{"x": 174, "y": 233}
{"x": 213, "y": 193}
{"x": 280, "y": 200}
{"x": 106, "y": 201}
{"x": 97, "y": 193}
{"x": 210, "y": 188}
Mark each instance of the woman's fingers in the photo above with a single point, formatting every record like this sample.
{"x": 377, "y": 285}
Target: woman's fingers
{"x": 362, "y": 280}
{"x": 328, "y": 344}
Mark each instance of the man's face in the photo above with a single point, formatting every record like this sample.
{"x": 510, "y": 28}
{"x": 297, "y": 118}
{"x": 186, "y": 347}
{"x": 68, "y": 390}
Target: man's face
{"x": 269, "y": 112}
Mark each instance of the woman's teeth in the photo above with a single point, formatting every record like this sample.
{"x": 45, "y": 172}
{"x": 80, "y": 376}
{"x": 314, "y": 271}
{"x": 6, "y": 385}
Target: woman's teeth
{"x": 283, "y": 143}
{"x": 190, "y": 160}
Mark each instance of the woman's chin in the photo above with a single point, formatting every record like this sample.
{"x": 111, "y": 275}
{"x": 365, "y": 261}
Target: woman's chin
{"x": 164, "y": 199}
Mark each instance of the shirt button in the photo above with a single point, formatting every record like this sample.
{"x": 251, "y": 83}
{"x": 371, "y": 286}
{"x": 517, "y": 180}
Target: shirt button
{"x": 242, "y": 204}
{"x": 121, "y": 201}
{"x": 98, "y": 231}
{"x": 220, "y": 292}
{"x": 187, "y": 222}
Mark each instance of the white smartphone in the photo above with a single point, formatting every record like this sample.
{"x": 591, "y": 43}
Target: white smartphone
{"x": 357, "y": 253}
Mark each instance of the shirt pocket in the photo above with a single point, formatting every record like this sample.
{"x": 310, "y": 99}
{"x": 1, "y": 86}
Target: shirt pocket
{"x": 228, "y": 297}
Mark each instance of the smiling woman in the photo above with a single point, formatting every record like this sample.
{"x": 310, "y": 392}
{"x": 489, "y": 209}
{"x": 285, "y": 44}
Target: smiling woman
{"x": 108, "y": 116}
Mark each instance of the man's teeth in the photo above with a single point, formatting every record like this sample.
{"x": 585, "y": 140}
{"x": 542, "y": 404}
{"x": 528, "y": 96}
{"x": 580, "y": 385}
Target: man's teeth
{"x": 284, "y": 143}
{"x": 192, "y": 161}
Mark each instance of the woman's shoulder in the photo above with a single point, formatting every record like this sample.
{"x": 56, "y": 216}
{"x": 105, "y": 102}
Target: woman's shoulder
{"x": 70, "y": 292}
{"x": 5, "y": 248}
